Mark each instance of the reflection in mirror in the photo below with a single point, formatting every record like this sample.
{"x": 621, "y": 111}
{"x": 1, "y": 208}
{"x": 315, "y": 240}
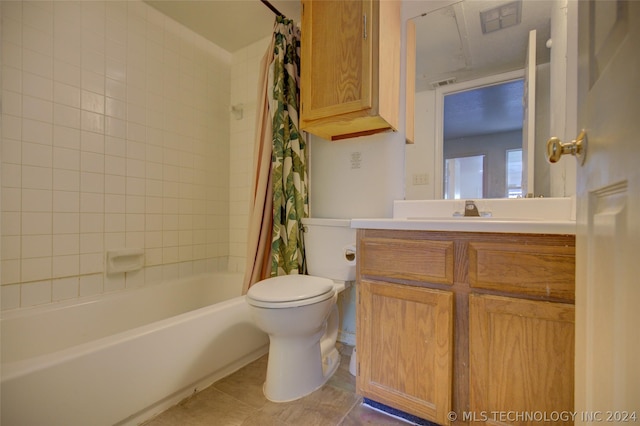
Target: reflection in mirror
{"x": 485, "y": 122}
{"x": 453, "y": 55}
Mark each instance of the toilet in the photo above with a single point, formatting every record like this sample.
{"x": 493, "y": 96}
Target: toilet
{"x": 299, "y": 312}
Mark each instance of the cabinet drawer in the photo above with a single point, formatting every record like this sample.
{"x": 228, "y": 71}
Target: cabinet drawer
{"x": 537, "y": 270}
{"x": 417, "y": 260}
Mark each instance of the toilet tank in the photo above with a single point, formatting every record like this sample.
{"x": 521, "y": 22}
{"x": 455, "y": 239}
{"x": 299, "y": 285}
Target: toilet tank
{"x": 328, "y": 243}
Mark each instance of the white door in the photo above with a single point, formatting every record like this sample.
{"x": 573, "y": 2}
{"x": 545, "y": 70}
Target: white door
{"x": 608, "y": 234}
{"x": 529, "y": 117}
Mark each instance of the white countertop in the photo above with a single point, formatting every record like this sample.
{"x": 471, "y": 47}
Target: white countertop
{"x": 520, "y": 216}
{"x": 471, "y": 224}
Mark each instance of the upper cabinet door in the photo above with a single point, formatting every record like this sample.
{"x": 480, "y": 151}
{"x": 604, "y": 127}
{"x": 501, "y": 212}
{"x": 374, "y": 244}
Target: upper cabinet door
{"x": 336, "y": 57}
{"x": 350, "y": 67}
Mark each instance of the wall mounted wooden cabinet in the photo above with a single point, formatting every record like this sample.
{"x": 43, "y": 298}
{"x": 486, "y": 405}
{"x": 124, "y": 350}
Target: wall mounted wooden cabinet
{"x": 350, "y": 67}
{"x": 465, "y": 322}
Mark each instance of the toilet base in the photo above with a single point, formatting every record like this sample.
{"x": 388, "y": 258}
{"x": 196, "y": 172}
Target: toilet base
{"x": 292, "y": 375}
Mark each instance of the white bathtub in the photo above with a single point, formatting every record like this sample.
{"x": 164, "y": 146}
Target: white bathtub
{"x": 120, "y": 359}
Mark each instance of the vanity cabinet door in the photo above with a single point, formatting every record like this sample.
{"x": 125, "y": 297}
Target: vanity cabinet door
{"x": 520, "y": 358}
{"x": 405, "y": 345}
{"x": 349, "y": 49}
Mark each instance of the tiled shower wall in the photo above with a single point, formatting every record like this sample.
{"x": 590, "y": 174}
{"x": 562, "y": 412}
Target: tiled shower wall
{"x": 115, "y": 133}
{"x": 245, "y": 67}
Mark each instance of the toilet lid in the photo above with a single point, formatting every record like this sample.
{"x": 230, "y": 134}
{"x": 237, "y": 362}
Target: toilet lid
{"x": 290, "y": 290}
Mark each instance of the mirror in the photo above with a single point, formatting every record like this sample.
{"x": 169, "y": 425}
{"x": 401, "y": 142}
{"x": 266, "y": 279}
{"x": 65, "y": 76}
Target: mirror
{"x": 454, "y": 55}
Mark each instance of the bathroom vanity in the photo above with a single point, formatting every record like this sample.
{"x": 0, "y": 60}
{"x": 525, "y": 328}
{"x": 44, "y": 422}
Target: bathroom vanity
{"x": 460, "y": 319}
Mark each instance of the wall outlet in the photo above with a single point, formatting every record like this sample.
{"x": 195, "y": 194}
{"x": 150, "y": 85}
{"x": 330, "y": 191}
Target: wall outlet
{"x": 421, "y": 179}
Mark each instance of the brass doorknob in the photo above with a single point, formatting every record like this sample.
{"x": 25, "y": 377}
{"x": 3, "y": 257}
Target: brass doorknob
{"x": 577, "y": 148}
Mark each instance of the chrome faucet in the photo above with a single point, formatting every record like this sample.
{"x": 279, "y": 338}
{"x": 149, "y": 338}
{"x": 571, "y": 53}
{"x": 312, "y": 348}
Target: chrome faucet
{"x": 470, "y": 208}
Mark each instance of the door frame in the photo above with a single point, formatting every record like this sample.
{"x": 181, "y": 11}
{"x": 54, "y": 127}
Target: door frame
{"x": 440, "y": 93}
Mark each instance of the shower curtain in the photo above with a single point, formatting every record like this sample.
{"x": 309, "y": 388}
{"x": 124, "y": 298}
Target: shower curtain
{"x": 280, "y": 198}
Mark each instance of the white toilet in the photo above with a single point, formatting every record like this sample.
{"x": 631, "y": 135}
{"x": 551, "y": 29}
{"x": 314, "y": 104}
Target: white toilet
{"x": 299, "y": 312}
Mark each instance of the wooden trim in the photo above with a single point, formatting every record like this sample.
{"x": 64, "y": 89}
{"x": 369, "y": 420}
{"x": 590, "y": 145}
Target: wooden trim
{"x": 410, "y": 92}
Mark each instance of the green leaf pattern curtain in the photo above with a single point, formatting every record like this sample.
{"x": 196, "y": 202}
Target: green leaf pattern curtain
{"x": 288, "y": 159}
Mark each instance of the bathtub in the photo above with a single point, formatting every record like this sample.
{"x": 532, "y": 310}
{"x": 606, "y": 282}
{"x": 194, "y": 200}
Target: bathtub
{"x": 121, "y": 359}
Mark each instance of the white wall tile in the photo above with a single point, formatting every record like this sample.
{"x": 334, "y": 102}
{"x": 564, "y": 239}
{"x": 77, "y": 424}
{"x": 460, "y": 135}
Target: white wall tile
{"x": 11, "y": 176}
{"x": 91, "y": 182}
{"x": 12, "y": 102}
{"x": 66, "y": 244}
{"x": 66, "y": 222}
{"x": 68, "y": 71}
{"x": 36, "y": 177}
{"x": 36, "y": 246}
{"x": 134, "y": 239}
{"x": 66, "y": 137}
{"x": 91, "y": 202}
{"x": 35, "y": 269}
{"x": 10, "y": 293}
{"x": 104, "y": 138}
{"x": 91, "y": 285}
{"x": 66, "y": 116}
{"x": 91, "y": 263}
{"x": 115, "y": 184}
{"x": 66, "y": 266}
{"x": 35, "y": 293}
{"x": 11, "y": 151}
{"x": 11, "y": 247}
{"x": 91, "y": 222}
{"x": 92, "y": 142}
{"x": 66, "y": 94}
{"x": 66, "y": 201}
{"x": 65, "y": 288}
{"x": 92, "y": 81}
{"x": 91, "y": 243}
{"x": 37, "y": 200}
{"x": 37, "y": 63}
{"x": 115, "y": 222}
{"x": 37, "y": 87}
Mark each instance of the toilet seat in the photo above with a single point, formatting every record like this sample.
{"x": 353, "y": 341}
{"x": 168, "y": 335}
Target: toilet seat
{"x": 288, "y": 291}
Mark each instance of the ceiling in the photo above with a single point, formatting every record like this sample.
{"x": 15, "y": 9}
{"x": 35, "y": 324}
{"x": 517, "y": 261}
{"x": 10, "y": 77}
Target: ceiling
{"x": 450, "y": 42}
{"x": 488, "y": 110}
{"x": 230, "y": 24}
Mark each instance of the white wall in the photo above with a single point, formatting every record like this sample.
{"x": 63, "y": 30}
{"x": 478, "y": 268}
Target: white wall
{"x": 115, "y": 130}
{"x": 357, "y": 177}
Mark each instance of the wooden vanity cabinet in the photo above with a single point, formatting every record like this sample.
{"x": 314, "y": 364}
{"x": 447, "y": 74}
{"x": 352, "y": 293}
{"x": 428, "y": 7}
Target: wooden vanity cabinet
{"x": 474, "y": 323}
{"x": 350, "y": 67}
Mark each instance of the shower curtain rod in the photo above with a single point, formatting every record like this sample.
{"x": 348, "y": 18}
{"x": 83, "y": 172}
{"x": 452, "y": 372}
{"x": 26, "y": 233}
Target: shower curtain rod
{"x": 272, "y": 8}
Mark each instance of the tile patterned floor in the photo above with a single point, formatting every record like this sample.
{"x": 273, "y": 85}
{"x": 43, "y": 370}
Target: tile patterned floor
{"x": 238, "y": 400}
